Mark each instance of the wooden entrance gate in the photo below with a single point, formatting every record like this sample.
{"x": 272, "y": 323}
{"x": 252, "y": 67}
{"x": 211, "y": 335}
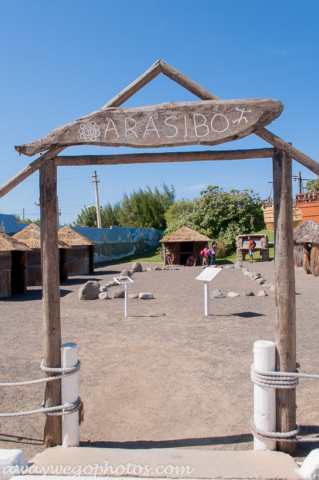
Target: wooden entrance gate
{"x": 209, "y": 122}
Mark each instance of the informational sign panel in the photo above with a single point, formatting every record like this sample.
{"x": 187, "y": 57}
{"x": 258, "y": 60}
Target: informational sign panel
{"x": 208, "y": 274}
{"x": 122, "y": 280}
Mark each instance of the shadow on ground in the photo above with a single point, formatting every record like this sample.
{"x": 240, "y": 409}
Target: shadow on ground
{"x": 185, "y": 442}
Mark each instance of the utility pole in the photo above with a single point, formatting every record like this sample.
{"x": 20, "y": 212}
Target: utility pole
{"x": 23, "y": 216}
{"x": 98, "y": 212}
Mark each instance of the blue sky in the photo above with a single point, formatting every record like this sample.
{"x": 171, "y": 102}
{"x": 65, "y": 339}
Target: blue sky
{"x": 64, "y": 59}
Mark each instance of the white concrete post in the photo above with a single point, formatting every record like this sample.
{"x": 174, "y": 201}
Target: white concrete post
{"x": 206, "y": 295}
{"x": 70, "y": 393}
{"x": 126, "y": 300}
{"x": 264, "y": 397}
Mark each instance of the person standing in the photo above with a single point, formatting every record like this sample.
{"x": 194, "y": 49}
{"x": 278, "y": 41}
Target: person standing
{"x": 213, "y": 249}
{"x": 251, "y": 247}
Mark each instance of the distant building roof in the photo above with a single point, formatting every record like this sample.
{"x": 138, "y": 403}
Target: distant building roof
{"x": 307, "y": 232}
{"x": 185, "y": 234}
{"x": 30, "y": 236}
{"x": 73, "y": 238}
{"x": 8, "y": 244}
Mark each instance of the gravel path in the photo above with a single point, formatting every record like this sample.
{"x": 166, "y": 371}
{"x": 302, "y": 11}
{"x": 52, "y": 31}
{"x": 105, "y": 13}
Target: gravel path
{"x": 167, "y": 376}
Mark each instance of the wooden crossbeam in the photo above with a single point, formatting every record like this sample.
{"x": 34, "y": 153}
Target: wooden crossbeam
{"x": 170, "y": 157}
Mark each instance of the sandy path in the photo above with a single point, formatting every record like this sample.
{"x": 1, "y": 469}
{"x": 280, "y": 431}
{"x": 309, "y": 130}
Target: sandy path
{"x": 166, "y": 376}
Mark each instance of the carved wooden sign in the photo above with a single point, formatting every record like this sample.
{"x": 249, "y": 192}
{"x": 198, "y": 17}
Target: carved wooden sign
{"x": 209, "y": 122}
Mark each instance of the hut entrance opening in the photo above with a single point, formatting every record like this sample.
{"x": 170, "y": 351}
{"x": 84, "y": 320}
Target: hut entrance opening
{"x": 186, "y": 249}
{"x": 209, "y": 122}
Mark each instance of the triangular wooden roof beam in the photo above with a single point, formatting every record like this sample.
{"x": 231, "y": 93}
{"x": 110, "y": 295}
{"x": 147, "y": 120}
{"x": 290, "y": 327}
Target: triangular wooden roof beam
{"x": 162, "y": 67}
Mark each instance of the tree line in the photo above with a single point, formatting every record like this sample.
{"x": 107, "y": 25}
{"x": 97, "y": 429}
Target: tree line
{"x": 141, "y": 208}
{"x": 215, "y": 213}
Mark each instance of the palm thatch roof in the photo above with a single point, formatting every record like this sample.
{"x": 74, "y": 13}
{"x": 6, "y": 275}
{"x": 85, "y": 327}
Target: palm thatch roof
{"x": 31, "y": 236}
{"x": 185, "y": 234}
{"x": 307, "y": 232}
{"x": 73, "y": 238}
{"x": 8, "y": 244}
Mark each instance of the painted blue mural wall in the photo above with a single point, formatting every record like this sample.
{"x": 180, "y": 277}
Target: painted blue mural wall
{"x": 111, "y": 243}
{"x": 118, "y": 242}
{"x": 8, "y": 224}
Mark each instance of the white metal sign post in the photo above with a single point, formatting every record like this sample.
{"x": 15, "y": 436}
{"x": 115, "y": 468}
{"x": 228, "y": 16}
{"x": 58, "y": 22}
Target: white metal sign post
{"x": 124, "y": 281}
{"x": 207, "y": 276}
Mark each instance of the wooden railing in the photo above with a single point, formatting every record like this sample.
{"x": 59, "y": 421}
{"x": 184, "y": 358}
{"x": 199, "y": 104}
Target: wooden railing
{"x": 308, "y": 197}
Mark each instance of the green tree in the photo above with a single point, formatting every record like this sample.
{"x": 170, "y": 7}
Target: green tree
{"x": 179, "y": 214}
{"x": 87, "y": 217}
{"x": 27, "y": 220}
{"x": 145, "y": 208}
{"x": 313, "y": 185}
{"x": 219, "y": 214}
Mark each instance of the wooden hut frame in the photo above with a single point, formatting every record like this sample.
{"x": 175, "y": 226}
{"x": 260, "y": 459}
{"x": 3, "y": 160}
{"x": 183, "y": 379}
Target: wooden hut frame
{"x": 282, "y": 155}
{"x": 81, "y": 251}
{"x": 306, "y": 240}
{"x": 185, "y": 237}
{"x": 31, "y": 237}
{"x": 13, "y": 266}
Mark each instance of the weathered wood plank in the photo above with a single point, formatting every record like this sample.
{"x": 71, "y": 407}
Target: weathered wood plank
{"x": 269, "y": 137}
{"x": 135, "y": 86}
{"x": 285, "y": 326}
{"x": 186, "y": 82}
{"x": 168, "y": 124}
{"x": 27, "y": 171}
{"x": 300, "y": 157}
{"x": 50, "y": 295}
{"x": 171, "y": 157}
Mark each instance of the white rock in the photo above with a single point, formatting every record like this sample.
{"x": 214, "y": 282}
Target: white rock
{"x": 262, "y": 293}
{"x": 229, "y": 266}
{"x": 132, "y": 295}
{"x": 103, "y": 296}
{"x": 12, "y": 462}
{"x": 310, "y": 466}
{"x": 137, "y": 267}
{"x": 260, "y": 281}
{"x": 89, "y": 291}
{"x": 145, "y": 296}
{"x": 103, "y": 288}
{"x": 247, "y": 273}
{"x": 233, "y": 294}
{"x": 148, "y": 269}
{"x": 110, "y": 284}
{"x": 244, "y": 270}
{"x": 272, "y": 288}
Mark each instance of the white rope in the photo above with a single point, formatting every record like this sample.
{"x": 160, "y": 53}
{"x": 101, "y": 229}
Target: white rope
{"x": 281, "y": 436}
{"x": 278, "y": 379}
{"x": 65, "y": 409}
{"x": 67, "y": 371}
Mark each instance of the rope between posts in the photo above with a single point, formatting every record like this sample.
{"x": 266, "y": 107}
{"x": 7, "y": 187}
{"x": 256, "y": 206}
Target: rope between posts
{"x": 65, "y": 409}
{"x": 279, "y": 380}
{"x": 66, "y": 372}
{"x": 281, "y": 436}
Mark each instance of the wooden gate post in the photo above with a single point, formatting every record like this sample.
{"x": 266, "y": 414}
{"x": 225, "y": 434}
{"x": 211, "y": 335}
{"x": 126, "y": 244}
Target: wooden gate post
{"x": 285, "y": 329}
{"x": 50, "y": 296}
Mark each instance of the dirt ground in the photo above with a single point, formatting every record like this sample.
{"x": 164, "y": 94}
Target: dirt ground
{"x": 167, "y": 376}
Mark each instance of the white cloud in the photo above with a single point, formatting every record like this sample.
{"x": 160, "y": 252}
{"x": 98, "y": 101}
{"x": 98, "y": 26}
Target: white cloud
{"x": 201, "y": 186}
{"x": 277, "y": 51}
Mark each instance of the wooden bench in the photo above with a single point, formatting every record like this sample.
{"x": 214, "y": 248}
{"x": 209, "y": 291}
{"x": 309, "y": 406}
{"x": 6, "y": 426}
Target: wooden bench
{"x": 261, "y": 241}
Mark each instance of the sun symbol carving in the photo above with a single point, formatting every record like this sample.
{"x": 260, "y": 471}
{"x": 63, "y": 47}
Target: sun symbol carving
{"x": 89, "y": 131}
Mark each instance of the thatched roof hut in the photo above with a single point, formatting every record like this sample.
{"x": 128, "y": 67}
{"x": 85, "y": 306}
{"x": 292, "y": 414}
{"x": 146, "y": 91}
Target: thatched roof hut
{"x": 307, "y": 232}
{"x": 306, "y": 249}
{"x": 13, "y": 266}
{"x": 31, "y": 237}
{"x": 183, "y": 243}
{"x": 81, "y": 252}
